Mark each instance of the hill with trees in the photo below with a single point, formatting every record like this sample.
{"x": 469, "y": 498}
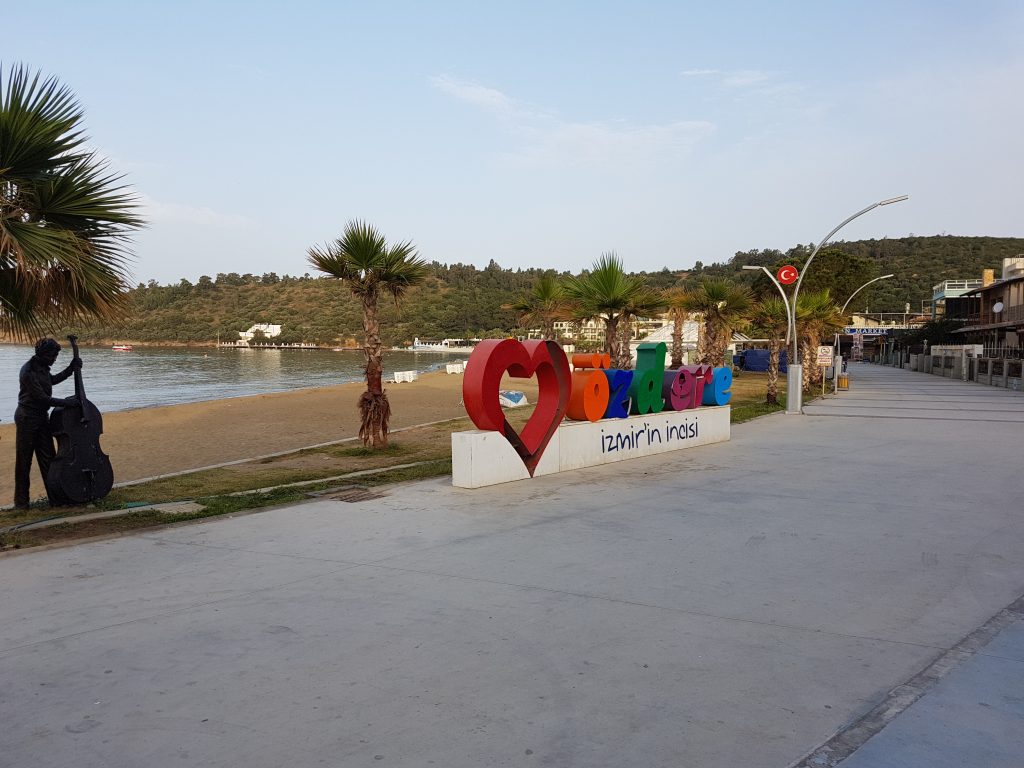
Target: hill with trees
{"x": 463, "y": 301}
{"x": 918, "y": 263}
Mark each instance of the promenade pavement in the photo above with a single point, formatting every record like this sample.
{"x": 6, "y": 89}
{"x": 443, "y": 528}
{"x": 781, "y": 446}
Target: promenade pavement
{"x": 734, "y": 605}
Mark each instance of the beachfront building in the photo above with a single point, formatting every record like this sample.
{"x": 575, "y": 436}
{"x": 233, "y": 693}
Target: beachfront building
{"x": 990, "y": 348}
{"x": 997, "y": 319}
{"x": 690, "y": 337}
{"x": 593, "y": 330}
{"x": 944, "y": 292}
{"x": 265, "y": 330}
{"x": 588, "y": 330}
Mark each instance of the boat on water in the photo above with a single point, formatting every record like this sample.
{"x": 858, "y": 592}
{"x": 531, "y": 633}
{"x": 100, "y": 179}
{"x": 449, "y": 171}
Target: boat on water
{"x": 122, "y": 347}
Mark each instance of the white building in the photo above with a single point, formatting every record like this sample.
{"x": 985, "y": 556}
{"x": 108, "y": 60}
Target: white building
{"x": 269, "y": 331}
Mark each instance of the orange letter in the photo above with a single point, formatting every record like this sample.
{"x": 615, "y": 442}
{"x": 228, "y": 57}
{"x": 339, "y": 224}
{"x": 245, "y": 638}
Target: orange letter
{"x": 589, "y": 397}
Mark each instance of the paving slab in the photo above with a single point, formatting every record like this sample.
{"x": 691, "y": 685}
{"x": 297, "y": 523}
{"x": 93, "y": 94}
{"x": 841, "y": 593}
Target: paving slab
{"x": 731, "y": 605}
{"x": 972, "y": 717}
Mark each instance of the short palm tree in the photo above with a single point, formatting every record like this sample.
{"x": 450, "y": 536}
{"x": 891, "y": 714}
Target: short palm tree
{"x": 771, "y": 316}
{"x": 362, "y": 259}
{"x": 645, "y": 303}
{"x": 64, "y": 218}
{"x": 675, "y": 300}
{"x": 817, "y": 316}
{"x": 604, "y": 292}
{"x": 725, "y": 308}
{"x": 544, "y": 305}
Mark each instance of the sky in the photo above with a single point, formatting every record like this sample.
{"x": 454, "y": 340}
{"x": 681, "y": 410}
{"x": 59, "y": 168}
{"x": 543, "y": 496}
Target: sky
{"x": 539, "y": 134}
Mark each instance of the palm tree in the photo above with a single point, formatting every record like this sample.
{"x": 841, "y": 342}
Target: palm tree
{"x": 725, "y": 307}
{"x": 362, "y": 259}
{"x": 604, "y": 292}
{"x": 545, "y": 304}
{"x": 817, "y": 315}
{"x": 771, "y": 315}
{"x": 645, "y": 303}
{"x": 675, "y": 300}
{"x": 64, "y": 218}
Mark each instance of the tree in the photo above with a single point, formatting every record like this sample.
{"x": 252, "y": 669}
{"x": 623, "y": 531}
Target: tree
{"x": 604, "y": 292}
{"x": 675, "y": 300}
{"x": 64, "y": 217}
{"x": 771, "y": 316}
{"x": 816, "y": 315}
{"x": 362, "y": 259}
{"x": 725, "y": 307}
{"x": 644, "y": 304}
{"x": 837, "y": 271}
{"x": 543, "y": 305}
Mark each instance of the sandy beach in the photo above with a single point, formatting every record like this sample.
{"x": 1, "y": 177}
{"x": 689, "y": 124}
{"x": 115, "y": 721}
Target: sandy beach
{"x": 153, "y": 441}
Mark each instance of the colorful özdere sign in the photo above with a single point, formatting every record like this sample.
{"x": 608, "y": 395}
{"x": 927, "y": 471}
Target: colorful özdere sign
{"x": 592, "y": 392}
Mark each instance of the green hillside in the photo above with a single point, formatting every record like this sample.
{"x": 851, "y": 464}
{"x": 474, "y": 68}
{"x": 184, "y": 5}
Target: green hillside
{"x": 463, "y": 301}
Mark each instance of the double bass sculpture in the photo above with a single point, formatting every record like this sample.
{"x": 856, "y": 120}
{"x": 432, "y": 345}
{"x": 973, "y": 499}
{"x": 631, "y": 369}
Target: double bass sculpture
{"x": 81, "y": 471}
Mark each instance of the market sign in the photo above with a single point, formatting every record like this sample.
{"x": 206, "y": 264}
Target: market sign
{"x": 856, "y": 330}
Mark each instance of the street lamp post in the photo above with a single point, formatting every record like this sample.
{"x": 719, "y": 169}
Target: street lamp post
{"x": 837, "y": 356}
{"x": 794, "y": 379}
{"x": 790, "y": 309}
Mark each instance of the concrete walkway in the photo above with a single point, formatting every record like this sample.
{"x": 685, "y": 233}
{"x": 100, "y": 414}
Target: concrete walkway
{"x": 734, "y": 605}
{"x": 972, "y": 717}
{"x": 911, "y": 395}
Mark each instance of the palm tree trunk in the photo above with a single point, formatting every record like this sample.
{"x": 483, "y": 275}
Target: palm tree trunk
{"x": 717, "y": 340}
{"x": 817, "y": 372}
{"x": 611, "y": 337}
{"x": 774, "y": 347}
{"x": 625, "y": 361}
{"x": 374, "y": 408}
{"x": 678, "y": 318}
{"x": 809, "y": 363}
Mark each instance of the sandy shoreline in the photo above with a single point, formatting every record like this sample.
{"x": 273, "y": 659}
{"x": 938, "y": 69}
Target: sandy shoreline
{"x": 150, "y": 441}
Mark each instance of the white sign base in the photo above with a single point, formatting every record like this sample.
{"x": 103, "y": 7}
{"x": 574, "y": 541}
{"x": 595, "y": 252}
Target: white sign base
{"x": 482, "y": 458}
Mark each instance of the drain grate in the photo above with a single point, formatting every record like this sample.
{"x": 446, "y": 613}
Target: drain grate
{"x": 350, "y": 493}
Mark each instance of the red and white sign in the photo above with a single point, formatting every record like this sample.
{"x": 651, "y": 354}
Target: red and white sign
{"x": 787, "y": 275}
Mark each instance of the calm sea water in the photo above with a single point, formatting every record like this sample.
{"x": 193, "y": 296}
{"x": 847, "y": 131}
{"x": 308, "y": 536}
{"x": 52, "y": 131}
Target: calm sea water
{"x": 117, "y": 381}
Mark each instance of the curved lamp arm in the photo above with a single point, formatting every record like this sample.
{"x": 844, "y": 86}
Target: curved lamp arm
{"x": 803, "y": 272}
{"x": 789, "y": 312}
{"x": 869, "y": 282}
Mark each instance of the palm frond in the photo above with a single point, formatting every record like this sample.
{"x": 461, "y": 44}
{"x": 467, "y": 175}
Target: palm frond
{"x": 65, "y": 218}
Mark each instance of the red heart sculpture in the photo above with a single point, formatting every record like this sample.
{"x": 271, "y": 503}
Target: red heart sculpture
{"x": 523, "y": 360}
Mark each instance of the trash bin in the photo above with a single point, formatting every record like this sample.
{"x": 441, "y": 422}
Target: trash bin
{"x": 844, "y": 381}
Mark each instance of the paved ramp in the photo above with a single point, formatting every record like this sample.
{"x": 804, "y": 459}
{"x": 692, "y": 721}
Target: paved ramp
{"x": 882, "y": 392}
